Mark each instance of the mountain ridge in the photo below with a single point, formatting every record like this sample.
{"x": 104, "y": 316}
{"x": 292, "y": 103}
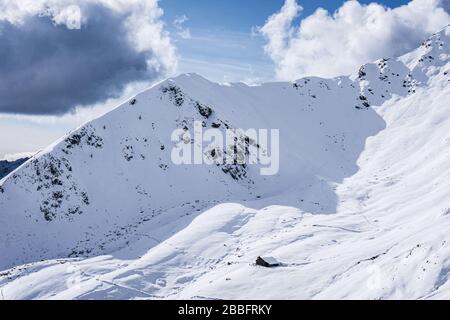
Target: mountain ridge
{"x": 330, "y": 130}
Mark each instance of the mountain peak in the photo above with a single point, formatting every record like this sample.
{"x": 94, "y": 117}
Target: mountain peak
{"x": 357, "y": 159}
{"x": 188, "y": 77}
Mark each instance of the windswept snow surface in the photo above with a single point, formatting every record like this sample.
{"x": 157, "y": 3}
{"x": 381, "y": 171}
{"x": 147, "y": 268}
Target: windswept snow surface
{"x": 359, "y": 210}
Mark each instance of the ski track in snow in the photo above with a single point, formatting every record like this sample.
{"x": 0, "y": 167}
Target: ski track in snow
{"x": 359, "y": 210}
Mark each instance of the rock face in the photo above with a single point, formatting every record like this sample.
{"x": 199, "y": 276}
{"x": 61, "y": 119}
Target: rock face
{"x": 7, "y": 167}
{"x": 358, "y": 158}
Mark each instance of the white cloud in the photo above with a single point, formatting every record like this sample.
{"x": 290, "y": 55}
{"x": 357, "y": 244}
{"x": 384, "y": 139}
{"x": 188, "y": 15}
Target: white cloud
{"x": 179, "y": 20}
{"x": 183, "y": 32}
{"x": 328, "y": 45}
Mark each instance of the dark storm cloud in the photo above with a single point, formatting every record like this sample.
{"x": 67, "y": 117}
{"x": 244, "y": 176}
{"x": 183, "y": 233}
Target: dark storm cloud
{"x": 49, "y": 69}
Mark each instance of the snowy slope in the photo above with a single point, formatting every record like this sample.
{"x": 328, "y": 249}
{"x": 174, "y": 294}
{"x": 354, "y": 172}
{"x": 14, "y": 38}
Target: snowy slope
{"x": 359, "y": 209}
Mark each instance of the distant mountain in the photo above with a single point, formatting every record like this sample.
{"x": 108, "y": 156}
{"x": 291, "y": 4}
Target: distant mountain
{"x": 7, "y": 167}
{"x": 360, "y": 207}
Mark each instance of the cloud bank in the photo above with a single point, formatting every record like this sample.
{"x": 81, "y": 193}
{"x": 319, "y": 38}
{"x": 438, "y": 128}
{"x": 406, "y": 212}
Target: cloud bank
{"x": 329, "y": 45}
{"x": 55, "y": 56}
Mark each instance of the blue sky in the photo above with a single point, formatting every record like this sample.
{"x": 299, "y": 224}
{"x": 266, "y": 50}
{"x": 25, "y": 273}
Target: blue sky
{"x": 221, "y": 46}
{"x": 241, "y": 15}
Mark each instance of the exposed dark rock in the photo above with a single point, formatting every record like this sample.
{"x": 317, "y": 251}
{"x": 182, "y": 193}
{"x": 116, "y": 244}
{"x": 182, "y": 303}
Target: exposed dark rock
{"x": 175, "y": 94}
{"x": 361, "y": 73}
{"x": 205, "y": 111}
{"x": 85, "y": 136}
{"x": 128, "y": 152}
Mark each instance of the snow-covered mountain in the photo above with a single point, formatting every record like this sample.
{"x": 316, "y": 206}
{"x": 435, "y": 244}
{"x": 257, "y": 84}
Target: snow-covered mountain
{"x": 359, "y": 209}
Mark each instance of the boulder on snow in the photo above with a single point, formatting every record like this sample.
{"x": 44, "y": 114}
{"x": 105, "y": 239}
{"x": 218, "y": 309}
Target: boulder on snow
{"x": 268, "y": 262}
